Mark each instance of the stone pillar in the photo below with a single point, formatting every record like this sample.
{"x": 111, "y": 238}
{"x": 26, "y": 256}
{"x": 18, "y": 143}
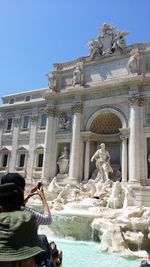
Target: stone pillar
{"x": 48, "y": 170}
{"x": 134, "y": 140}
{"x": 1, "y": 130}
{"x": 143, "y": 147}
{"x": 75, "y": 144}
{"x": 124, "y": 159}
{"x": 87, "y": 160}
{"x": 32, "y": 146}
{"x": 15, "y": 134}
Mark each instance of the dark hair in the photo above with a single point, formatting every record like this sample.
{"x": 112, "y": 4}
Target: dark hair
{"x": 13, "y": 177}
{"x": 11, "y": 197}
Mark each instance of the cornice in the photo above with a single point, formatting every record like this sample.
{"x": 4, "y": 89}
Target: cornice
{"x": 128, "y": 80}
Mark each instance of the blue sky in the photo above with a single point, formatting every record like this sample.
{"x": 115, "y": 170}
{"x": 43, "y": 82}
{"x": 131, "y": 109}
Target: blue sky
{"x": 34, "y": 34}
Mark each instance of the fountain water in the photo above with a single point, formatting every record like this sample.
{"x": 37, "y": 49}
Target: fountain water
{"x": 78, "y": 215}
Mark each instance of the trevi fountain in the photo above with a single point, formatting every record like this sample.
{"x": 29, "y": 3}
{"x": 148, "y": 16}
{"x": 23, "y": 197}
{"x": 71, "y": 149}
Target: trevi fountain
{"x": 87, "y": 137}
{"x": 100, "y": 210}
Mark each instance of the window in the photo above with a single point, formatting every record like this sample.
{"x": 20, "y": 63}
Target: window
{"x": 27, "y": 98}
{"x": 12, "y": 100}
{"x": 40, "y": 160}
{"x": 25, "y": 122}
{"x": 22, "y": 160}
{"x": 5, "y": 160}
{"x": 43, "y": 121}
{"x": 9, "y": 124}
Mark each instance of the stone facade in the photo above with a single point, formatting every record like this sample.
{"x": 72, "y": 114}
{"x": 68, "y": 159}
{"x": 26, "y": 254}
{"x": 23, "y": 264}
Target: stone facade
{"x": 103, "y": 97}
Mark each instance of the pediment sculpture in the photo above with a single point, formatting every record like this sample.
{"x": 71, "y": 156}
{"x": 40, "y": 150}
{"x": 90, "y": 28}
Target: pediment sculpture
{"x": 109, "y": 41}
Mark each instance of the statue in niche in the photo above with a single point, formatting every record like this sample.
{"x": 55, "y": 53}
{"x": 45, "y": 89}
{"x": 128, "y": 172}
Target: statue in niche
{"x": 51, "y": 81}
{"x": 77, "y": 76}
{"x": 102, "y": 158}
{"x": 63, "y": 161}
{"x": 64, "y": 121}
{"x": 133, "y": 63}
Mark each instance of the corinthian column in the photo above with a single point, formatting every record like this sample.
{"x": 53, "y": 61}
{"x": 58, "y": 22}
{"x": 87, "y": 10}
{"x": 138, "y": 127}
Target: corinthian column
{"x": 15, "y": 134}
{"x": 75, "y": 144}
{"x": 48, "y": 170}
{"x": 134, "y": 140}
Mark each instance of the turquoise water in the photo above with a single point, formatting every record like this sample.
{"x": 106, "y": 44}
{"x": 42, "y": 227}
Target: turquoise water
{"x": 86, "y": 254}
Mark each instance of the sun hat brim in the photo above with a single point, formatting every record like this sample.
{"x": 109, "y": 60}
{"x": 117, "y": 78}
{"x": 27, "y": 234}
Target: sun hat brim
{"x": 18, "y": 236}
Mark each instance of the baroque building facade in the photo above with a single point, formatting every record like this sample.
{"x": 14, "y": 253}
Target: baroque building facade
{"x": 103, "y": 97}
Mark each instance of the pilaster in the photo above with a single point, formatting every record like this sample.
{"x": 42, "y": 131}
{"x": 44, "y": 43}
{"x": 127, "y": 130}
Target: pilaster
{"x": 15, "y": 134}
{"x": 32, "y": 146}
{"x": 48, "y": 170}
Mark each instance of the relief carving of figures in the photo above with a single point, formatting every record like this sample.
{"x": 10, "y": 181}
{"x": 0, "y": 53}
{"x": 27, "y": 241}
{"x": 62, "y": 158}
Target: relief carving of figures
{"x": 64, "y": 121}
{"x": 63, "y": 161}
{"x": 133, "y": 63}
{"x": 109, "y": 41}
{"x": 102, "y": 158}
{"x": 77, "y": 76}
{"x": 52, "y": 81}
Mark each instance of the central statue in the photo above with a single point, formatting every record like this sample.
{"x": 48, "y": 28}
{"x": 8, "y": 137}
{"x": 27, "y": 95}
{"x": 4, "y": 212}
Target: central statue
{"x": 102, "y": 158}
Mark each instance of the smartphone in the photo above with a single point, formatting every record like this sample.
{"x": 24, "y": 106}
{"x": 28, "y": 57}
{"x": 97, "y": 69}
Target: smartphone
{"x": 39, "y": 185}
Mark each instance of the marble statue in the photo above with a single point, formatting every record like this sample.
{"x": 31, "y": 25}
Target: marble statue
{"x": 51, "y": 81}
{"x": 63, "y": 195}
{"x": 133, "y": 63}
{"x": 116, "y": 198}
{"x": 94, "y": 49}
{"x": 129, "y": 197}
{"x": 63, "y": 161}
{"x": 109, "y": 41}
{"x": 102, "y": 158}
{"x": 53, "y": 189}
{"x": 77, "y": 76}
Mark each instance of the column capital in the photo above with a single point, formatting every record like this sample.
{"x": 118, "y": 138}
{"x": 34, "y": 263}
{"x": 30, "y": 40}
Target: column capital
{"x": 136, "y": 100}
{"x": 77, "y": 107}
{"x": 34, "y": 117}
{"x": 51, "y": 111}
{"x": 17, "y": 120}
